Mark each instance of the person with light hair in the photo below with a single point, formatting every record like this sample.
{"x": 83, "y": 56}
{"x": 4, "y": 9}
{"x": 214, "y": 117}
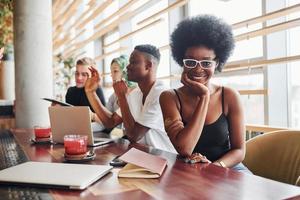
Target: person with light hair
{"x": 76, "y": 95}
{"x": 118, "y": 72}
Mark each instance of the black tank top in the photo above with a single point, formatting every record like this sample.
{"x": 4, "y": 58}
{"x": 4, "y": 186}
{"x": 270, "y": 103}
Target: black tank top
{"x": 214, "y": 140}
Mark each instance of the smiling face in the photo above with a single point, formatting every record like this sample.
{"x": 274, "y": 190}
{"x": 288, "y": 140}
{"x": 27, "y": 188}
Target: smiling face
{"x": 116, "y": 73}
{"x": 198, "y": 73}
{"x": 82, "y": 73}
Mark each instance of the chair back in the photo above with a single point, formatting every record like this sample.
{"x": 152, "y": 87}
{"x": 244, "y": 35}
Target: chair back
{"x": 275, "y": 155}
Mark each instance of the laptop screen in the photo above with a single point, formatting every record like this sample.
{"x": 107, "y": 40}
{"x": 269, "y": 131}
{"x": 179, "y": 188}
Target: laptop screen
{"x": 70, "y": 120}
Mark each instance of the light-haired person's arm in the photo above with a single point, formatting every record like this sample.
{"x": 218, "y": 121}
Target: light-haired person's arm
{"x": 109, "y": 119}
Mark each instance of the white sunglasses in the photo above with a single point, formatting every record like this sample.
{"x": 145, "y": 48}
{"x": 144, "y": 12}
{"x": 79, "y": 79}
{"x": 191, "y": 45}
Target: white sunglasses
{"x": 205, "y": 64}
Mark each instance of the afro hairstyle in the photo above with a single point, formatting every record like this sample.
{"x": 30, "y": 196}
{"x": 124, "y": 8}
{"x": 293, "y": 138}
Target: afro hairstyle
{"x": 203, "y": 30}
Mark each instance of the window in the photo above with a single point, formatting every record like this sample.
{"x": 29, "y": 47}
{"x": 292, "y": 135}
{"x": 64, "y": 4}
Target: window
{"x": 294, "y": 81}
{"x": 253, "y": 104}
{"x": 295, "y": 95}
{"x": 245, "y": 49}
{"x": 150, "y": 35}
{"x": 294, "y": 71}
{"x": 113, "y": 7}
{"x": 107, "y": 60}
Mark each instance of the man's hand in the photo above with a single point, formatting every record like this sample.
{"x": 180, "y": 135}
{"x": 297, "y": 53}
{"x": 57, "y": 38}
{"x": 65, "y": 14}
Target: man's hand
{"x": 92, "y": 83}
{"x": 120, "y": 88}
{"x": 198, "y": 88}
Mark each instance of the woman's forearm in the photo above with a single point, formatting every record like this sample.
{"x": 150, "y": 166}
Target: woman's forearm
{"x": 187, "y": 138}
{"x": 232, "y": 157}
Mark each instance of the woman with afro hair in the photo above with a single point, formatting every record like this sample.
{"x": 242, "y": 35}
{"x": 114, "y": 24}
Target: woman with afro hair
{"x": 204, "y": 121}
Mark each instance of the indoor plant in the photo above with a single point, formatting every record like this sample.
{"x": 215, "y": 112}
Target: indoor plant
{"x": 64, "y": 70}
{"x": 6, "y": 28}
{"x": 7, "y": 75}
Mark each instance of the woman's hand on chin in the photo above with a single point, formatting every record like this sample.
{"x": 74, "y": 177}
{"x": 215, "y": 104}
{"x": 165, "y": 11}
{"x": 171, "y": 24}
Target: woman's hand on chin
{"x": 197, "y": 87}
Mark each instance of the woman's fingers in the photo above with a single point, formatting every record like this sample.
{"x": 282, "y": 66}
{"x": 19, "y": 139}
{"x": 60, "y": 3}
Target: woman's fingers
{"x": 184, "y": 79}
{"x": 205, "y": 160}
{"x": 196, "y": 158}
{"x": 191, "y": 82}
{"x": 187, "y": 81}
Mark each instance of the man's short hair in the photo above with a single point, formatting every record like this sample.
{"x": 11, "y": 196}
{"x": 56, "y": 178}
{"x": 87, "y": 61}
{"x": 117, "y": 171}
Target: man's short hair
{"x": 150, "y": 50}
{"x": 86, "y": 61}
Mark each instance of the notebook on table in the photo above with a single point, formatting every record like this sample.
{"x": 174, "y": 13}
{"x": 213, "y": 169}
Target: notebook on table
{"x": 141, "y": 165}
{"x": 74, "y": 120}
{"x": 53, "y": 175}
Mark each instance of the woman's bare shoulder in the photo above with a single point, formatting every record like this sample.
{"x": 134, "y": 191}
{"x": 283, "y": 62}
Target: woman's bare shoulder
{"x": 232, "y": 100}
{"x": 171, "y": 93}
{"x": 167, "y": 94}
{"x": 230, "y": 93}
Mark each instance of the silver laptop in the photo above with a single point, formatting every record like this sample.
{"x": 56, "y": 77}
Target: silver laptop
{"x": 62, "y": 175}
{"x": 74, "y": 120}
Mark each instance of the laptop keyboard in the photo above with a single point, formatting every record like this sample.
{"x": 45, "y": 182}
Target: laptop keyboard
{"x": 20, "y": 193}
{"x": 12, "y": 154}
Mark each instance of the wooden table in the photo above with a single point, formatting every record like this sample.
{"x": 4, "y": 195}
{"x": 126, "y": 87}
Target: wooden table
{"x": 179, "y": 181}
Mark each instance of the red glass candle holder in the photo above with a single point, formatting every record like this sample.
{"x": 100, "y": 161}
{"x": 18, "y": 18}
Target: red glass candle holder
{"x": 75, "y": 144}
{"x": 42, "y": 132}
